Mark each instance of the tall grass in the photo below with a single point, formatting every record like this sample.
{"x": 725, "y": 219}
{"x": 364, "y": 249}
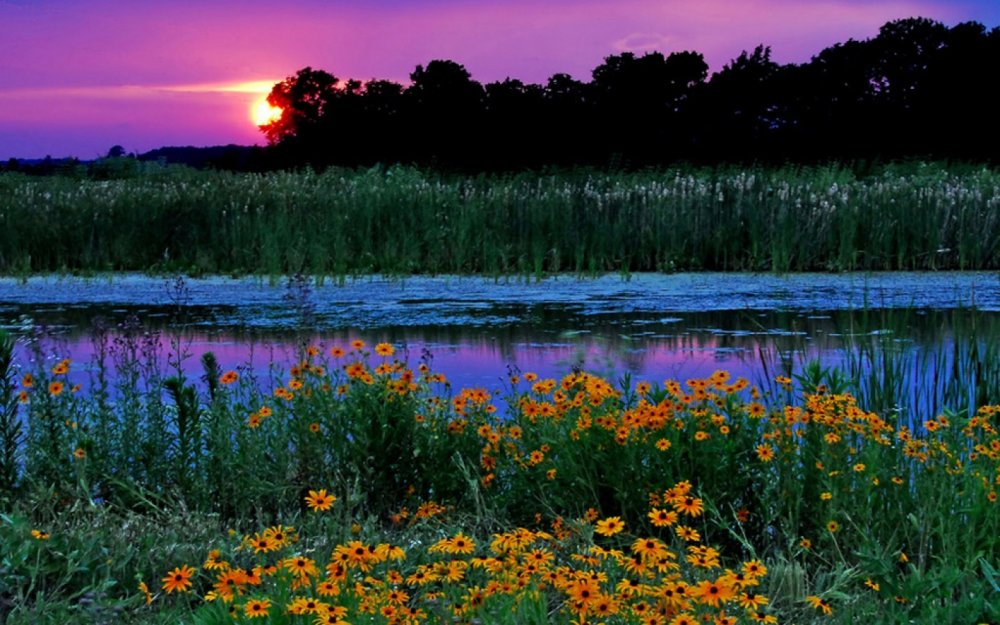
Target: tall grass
{"x": 402, "y": 220}
{"x": 897, "y": 364}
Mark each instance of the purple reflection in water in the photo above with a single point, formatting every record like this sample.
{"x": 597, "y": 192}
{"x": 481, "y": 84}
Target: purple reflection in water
{"x": 470, "y": 361}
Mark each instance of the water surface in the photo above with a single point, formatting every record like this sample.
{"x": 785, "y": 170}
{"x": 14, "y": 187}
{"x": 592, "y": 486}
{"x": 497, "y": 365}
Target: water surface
{"x": 475, "y": 330}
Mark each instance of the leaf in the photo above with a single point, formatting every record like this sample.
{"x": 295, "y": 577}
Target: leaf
{"x": 989, "y": 573}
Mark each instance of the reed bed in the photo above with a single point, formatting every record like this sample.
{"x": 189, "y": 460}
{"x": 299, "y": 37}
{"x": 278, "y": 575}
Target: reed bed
{"x": 354, "y": 487}
{"x": 401, "y": 220}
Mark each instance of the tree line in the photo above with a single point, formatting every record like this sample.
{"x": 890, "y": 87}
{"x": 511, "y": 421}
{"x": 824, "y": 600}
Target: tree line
{"x": 917, "y": 89}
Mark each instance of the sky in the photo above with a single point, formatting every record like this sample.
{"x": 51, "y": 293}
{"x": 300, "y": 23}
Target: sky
{"x": 77, "y": 77}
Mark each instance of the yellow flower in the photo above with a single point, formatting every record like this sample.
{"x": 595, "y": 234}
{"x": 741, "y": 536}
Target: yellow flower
{"x": 609, "y": 526}
{"x": 385, "y": 349}
{"x": 228, "y": 377}
{"x": 306, "y": 605}
{"x": 319, "y": 500}
{"x": 687, "y": 534}
{"x": 257, "y": 608}
{"x": 301, "y": 566}
{"x": 263, "y": 543}
{"x": 40, "y": 535}
{"x": 178, "y": 580}
{"x": 691, "y": 506}
{"x": 457, "y": 544}
{"x": 765, "y": 453}
{"x": 56, "y": 388}
{"x": 819, "y": 604}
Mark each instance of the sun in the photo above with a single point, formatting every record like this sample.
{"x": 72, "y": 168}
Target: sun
{"x": 264, "y": 114}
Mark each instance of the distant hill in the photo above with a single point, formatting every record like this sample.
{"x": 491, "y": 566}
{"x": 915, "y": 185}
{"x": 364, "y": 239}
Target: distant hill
{"x": 228, "y": 157}
{"x": 220, "y": 156}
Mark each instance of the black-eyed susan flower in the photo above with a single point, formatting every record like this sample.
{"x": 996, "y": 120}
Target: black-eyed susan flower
{"x": 257, "y": 608}
{"x": 301, "y": 566}
{"x": 609, "y": 526}
{"x": 684, "y": 619}
{"x": 307, "y": 605}
{"x": 819, "y": 604}
{"x": 751, "y": 600}
{"x": 691, "y": 506}
{"x": 179, "y": 579}
{"x": 262, "y": 543}
{"x": 687, "y": 534}
{"x": 765, "y": 453}
{"x": 754, "y": 569}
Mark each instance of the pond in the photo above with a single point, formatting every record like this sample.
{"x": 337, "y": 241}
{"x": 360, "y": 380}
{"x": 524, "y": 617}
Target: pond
{"x": 475, "y": 330}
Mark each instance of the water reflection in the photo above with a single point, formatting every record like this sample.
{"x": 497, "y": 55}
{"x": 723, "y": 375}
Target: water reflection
{"x": 555, "y": 339}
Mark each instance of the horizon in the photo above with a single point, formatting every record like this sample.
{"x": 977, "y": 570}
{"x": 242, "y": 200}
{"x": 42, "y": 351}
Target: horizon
{"x": 189, "y": 74}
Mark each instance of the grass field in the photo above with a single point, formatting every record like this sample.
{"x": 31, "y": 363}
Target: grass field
{"x": 351, "y": 487}
{"x": 404, "y": 221}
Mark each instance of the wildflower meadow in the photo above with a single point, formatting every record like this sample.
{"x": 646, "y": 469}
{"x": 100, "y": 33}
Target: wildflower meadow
{"x": 352, "y": 486}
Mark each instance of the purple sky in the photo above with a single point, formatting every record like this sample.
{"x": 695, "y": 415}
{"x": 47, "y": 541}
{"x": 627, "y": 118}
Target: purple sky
{"x": 78, "y": 77}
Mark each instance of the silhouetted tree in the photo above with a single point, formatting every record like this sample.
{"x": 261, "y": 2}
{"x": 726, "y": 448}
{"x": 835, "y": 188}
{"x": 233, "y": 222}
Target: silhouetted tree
{"x": 918, "y": 88}
{"x": 739, "y": 111}
{"x": 568, "y": 121}
{"x": 444, "y": 107}
{"x": 304, "y": 100}
{"x": 639, "y": 100}
{"x": 513, "y": 125}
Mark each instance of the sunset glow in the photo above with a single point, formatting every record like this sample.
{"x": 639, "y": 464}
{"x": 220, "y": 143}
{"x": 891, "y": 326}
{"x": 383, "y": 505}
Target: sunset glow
{"x": 264, "y": 114}
{"x": 124, "y": 79}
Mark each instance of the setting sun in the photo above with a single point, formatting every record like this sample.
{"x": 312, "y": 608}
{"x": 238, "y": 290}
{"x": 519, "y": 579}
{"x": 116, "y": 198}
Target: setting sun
{"x": 264, "y": 114}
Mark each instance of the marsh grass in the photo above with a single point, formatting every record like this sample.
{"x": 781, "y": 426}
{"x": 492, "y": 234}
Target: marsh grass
{"x": 401, "y": 221}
